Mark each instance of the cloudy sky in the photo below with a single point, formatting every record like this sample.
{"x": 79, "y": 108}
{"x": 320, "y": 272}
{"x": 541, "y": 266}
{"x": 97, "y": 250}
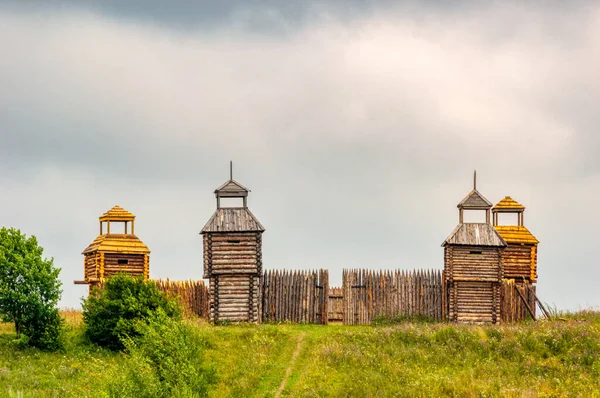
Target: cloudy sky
{"x": 357, "y": 128}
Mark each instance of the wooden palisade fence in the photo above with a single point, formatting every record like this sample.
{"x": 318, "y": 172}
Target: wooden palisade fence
{"x": 193, "y": 295}
{"x": 299, "y": 296}
{"x": 517, "y": 301}
{"x": 391, "y": 294}
{"x": 295, "y": 296}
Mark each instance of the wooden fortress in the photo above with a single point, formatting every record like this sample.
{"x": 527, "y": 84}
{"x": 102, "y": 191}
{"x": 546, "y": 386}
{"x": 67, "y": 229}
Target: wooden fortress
{"x": 489, "y": 276}
{"x": 232, "y": 240}
{"x": 473, "y": 265}
{"x": 111, "y": 253}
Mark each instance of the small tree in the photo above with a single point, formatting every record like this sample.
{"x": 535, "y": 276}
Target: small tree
{"x": 112, "y": 312}
{"x": 29, "y": 290}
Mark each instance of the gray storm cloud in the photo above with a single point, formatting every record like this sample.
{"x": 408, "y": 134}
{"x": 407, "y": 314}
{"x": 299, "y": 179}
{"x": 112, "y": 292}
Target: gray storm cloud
{"x": 357, "y": 134}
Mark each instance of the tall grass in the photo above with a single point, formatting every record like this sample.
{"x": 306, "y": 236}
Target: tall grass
{"x": 413, "y": 360}
{"x": 72, "y": 316}
{"x": 410, "y": 359}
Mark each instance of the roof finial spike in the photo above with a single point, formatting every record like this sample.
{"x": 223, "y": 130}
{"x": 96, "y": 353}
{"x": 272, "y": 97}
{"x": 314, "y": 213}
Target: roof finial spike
{"x": 475, "y": 180}
{"x": 231, "y": 169}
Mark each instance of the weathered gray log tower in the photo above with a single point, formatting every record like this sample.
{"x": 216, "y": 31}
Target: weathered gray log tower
{"x": 233, "y": 258}
{"x": 473, "y": 265}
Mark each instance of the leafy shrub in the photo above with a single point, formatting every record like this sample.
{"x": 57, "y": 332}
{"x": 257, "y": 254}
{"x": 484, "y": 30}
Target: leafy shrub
{"x": 166, "y": 359}
{"x": 45, "y": 330}
{"x": 29, "y": 291}
{"x": 111, "y": 313}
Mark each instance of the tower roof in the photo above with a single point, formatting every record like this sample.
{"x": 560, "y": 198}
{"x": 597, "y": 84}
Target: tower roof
{"x": 472, "y": 234}
{"x": 475, "y": 201}
{"x": 232, "y": 188}
{"x": 233, "y": 219}
{"x": 516, "y": 234}
{"x": 117, "y": 213}
{"x": 508, "y": 204}
{"x": 117, "y": 243}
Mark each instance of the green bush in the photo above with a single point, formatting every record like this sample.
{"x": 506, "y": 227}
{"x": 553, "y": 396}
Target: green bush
{"x": 45, "y": 330}
{"x": 166, "y": 359}
{"x": 110, "y": 314}
{"x": 29, "y": 291}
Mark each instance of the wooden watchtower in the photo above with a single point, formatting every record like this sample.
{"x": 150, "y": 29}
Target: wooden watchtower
{"x": 520, "y": 262}
{"x": 520, "y": 257}
{"x": 473, "y": 265}
{"x": 111, "y": 253}
{"x": 233, "y": 258}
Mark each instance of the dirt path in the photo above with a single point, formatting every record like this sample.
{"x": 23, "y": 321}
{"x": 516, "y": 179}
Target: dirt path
{"x": 288, "y": 371}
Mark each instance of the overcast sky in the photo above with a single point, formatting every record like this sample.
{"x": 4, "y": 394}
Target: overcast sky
{"x": 357, "y": 128}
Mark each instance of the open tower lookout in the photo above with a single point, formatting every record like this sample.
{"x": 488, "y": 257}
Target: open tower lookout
{"x": 115, "y": 251}
{"x": 232, "y": 240}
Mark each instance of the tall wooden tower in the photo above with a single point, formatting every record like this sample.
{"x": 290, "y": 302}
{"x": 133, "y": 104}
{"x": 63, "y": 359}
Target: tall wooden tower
{"x": 233, "y": 258}
{"x": 473, "y": 265}
{"x": 111, "y": 253}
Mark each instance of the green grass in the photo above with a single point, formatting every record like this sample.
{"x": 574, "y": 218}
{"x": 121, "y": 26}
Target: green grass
{"x": 543, "y": 359}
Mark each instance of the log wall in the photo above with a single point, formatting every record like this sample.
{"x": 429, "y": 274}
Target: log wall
{"x": 234, "y": 298}
{"x": 228, "y": 253}
{"x": 90, "y": 264}
{"x": 473, "y": 276}
{"x": 474, "y": 302}
{"x": 335, "y": 308}
{"x": 193, "y": 295}
{"x": 134, "y": 267}
{"x": 390, "y": 294}
{"x": 473, "y": 263}
{"x": 295, "y": 296}
{"x": 518, "y": 259}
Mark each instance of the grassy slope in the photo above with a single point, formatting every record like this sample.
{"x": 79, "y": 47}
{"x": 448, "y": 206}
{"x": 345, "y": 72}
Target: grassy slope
{"x": 545, "y": 359}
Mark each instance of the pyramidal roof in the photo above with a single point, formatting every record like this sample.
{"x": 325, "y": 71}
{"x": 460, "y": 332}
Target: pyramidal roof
{"x": 475, "y": 200}
{"x": 475, "y": 234}
{"x": 117, "y": 243}
{"x": 233, "y": 219}
{"x": 508, "y": 204}
{"x": 231, "y": 186}
{"x": 516, "y": 234}
{"x": 117, "y": 213}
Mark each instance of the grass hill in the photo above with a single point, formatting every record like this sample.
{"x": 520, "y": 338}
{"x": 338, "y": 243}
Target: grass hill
{"x": 543, "y": 359}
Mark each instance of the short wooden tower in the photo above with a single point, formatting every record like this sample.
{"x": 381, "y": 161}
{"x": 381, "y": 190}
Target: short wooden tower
{"x": 520, "y": 262}
{"x": 111, "y": 253}
{"x": 520, "y": 257}
{"x": 233, "y": 258}
{"x": 473, "y": 265}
